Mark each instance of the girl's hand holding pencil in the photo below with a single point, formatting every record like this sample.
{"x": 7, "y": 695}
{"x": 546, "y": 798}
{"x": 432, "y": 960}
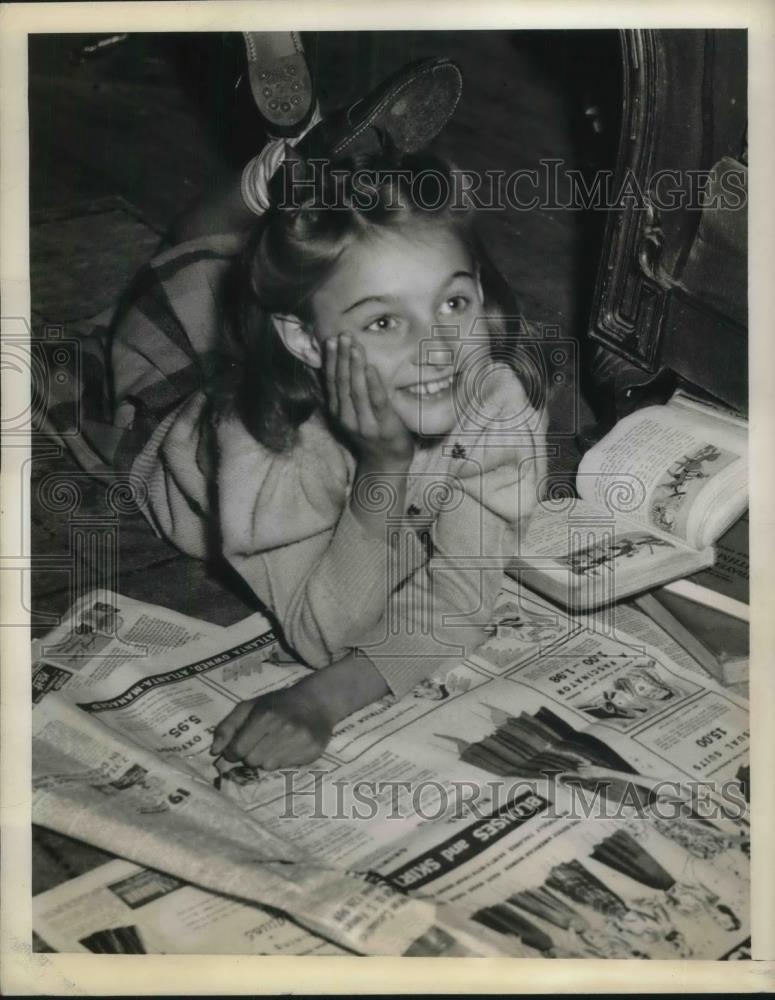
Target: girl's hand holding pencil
{"x": 279, "y": 729}
{"x": 294, "y": 725}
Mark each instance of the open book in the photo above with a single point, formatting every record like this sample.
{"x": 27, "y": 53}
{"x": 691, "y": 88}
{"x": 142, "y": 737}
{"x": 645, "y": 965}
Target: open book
{"x": 653, "y": 496}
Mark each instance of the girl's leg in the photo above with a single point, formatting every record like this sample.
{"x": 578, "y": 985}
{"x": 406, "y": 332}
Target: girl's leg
{"x": 221, "y": 210}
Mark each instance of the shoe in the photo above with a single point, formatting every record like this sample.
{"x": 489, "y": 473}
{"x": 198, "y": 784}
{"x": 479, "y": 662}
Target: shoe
{"x": 280, "y": 81}
{"x": 409, "y": 108}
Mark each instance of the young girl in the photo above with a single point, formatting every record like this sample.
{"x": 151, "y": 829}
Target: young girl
{"x": 354, "y": 441}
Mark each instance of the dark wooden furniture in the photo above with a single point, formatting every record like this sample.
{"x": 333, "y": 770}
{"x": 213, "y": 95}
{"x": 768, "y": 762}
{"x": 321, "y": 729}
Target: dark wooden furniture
{"x": 671, "y": 292}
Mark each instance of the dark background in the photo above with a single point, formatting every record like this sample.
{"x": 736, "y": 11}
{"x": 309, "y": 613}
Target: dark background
{"x": 161, "y": 118}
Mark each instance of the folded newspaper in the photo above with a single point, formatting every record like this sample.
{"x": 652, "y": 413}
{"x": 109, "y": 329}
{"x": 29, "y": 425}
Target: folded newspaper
{"x": 576, "y": 789}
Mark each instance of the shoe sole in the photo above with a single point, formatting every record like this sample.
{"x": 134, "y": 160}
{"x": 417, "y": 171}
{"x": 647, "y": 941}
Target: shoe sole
{"x": 279, "y": 77}
{"x": 414, "y": 111}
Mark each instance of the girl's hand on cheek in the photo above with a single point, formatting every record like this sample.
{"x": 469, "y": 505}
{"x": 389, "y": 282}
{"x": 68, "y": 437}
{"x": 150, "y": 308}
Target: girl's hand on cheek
{"x": 358, "y": 399}
{"x": 281, "y": 729}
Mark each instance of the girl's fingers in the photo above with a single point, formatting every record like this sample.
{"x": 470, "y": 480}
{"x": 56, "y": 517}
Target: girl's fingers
{"x": 228, "y": 727}
{"x": 346, "y": 409}
{"x": 253, "y": 740}
{"x": 359, "y": 392}
{"x": 333, "y": 399}
{"x": 390, "y": 427}
{"x": 377, "y": 393}
{"x": 292, "y": 752}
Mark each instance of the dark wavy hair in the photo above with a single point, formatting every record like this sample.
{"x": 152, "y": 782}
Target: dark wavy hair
{"x": 290, "y": 253}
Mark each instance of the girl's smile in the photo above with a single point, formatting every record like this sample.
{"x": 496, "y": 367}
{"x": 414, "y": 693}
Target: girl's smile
{"x": 432, "y": 387}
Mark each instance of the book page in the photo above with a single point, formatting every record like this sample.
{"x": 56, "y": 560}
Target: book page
{"x": 581, "y": 556}
{"x": 557, "y": 528}
{"x": 679, "y": 472}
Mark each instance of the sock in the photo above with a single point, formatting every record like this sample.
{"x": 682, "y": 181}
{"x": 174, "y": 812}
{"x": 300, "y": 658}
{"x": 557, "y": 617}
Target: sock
{"x": 258, "y": 172}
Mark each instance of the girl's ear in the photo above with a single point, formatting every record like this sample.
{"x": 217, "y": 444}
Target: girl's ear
{"x": 299, "y": 340}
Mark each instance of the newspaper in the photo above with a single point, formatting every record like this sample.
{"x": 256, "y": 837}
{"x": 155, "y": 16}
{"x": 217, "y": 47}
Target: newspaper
{"x": 137, "y": 779}
{"x": 571, "y": 790}
{"x": 122, "y": 908}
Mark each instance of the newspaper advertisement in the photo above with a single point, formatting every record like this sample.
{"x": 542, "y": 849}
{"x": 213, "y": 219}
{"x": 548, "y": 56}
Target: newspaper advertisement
{"x": 122, "y": 908}
{"x": 568, "y": 791}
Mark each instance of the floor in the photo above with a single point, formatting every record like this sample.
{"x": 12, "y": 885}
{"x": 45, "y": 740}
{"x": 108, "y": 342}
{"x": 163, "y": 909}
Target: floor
{"x": 121, "y": 144}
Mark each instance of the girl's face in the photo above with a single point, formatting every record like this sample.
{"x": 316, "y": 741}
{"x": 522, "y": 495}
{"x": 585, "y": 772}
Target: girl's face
{"x": 410, "y": 299}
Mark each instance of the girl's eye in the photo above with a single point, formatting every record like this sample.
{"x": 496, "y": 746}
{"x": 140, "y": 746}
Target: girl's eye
{"x": 455, "y": 303}
{"x": 382, "y": 323}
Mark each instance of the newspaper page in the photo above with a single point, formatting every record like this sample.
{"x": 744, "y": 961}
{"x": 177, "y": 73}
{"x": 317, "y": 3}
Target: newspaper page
{"x": 122, "y": 908}
{"x": 633, "y": 624}
{"x": 97, "y": 628}
{"x": 618, "y": 773}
